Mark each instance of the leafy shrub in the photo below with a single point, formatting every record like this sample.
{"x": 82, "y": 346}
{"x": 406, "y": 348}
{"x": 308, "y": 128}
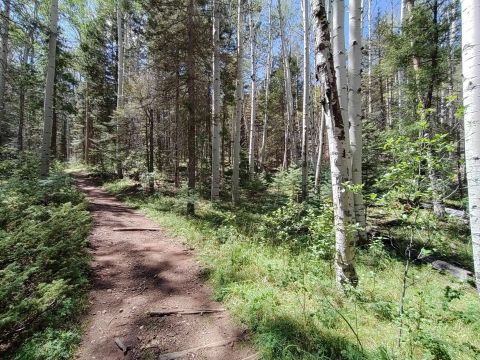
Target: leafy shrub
{"x": 305, "y": 225}
{"x": 43, "y": 258}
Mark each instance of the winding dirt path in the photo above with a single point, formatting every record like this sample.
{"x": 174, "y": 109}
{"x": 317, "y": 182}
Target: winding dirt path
{"x": 139, "y": 271}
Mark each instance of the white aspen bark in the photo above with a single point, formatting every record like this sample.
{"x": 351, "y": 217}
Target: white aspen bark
{"x": 267, "y": 89}
{"x": 339, "y": 57}
{"x": 49, "y": 90}
{"x": 306, "y": 95}
{"x": 253, "y": 96}
{"x": 288, "y": 84}
{"x": 355, "y": 107}
{"x": 318, "y": 168}
{"x": 120, "y": 72}
{"x": 339, "y": 60}
{"x": 325, "y": 73}
{"x": 471, "y": 101}
{"x": 215, "y": 189}
{"x": 3, "y": 68}
{"x": 238, "y": 107}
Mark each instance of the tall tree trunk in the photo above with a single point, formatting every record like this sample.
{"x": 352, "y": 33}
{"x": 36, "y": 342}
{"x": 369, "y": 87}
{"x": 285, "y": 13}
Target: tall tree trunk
{"x": 49, "y": 87}
{"x": 325, "y": 73}
{"x": 191, "y": 127}
{"x": 88, "y": 127}
{"x": 471, "y": 102}
{"x": 177, "y": 120}
{"x": 64, "y": 140}
{"x": 253, "y": 95}
{"x": 267, "y": 90}
{"x": 53, "y": 142}
{"x": 318, "y": 168}
{"x": 339, "y": 60}
{"x": 22, "y": 99}
{"x": 151, "y": 150}
{"x": 215, "y": 189}
{"x": 288, "y": 88}
{"x": 120, "y": 73}
{"x": 5, "y": 22}
{"x": 355, "y": 109}
{"x": 370, "y": 109}
{"x": 238, "y": 107}
{"x": 306, "y": 96}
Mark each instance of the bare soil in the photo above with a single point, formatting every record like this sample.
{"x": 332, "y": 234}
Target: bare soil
{"x": 135, "y": 272}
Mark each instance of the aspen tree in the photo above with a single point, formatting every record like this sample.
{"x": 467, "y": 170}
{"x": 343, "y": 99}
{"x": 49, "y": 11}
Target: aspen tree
{"x": 267, "y": 89}
{"x": 306, "y": 95}
{"x": 340, "y": 63}
{"x": 325, "y": 74}
{"x": 238, "y": 107}
{"x": 355, "y": 107}
{"x": 471, "y": 102}
{"x": 49, "y": 90}
{"x": 288, "y": 88}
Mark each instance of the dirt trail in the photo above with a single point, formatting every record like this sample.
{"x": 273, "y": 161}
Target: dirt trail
{"x": 139, "y": 271}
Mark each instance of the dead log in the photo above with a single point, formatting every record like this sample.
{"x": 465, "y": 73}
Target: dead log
{"x": 184, "y": 312}
{"x": 180, "y": 354}
{"x": 456, "y": 271}
{"x": 135, "y": 229}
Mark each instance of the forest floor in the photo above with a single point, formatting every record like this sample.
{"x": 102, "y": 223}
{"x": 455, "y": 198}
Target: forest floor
{"x": 138, "y": 271}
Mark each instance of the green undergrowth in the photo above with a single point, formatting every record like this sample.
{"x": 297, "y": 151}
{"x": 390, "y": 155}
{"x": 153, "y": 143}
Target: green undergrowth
{"x": 271, "y": 263}
{"x": 43, "y": 261}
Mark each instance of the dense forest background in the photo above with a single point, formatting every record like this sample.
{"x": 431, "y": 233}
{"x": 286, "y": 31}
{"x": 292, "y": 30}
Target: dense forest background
{"x": 314, "y": 152}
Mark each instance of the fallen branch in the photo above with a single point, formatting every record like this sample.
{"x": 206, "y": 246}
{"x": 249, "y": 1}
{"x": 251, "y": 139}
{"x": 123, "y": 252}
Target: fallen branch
{"x": 135, "y": 229}
{"x": 184, "y": 312}
{"x": 179, "y": 354}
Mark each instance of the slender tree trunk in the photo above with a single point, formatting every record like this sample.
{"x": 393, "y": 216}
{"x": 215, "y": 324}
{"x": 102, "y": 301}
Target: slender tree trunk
{"x": 5, "y": 20}
{"x": 191, "y": 127}
{"x": 151, "y": 151}
{"x": 318, "y": 168}
{"x": 88, "y": 127}
{"x": 325, "y": 73}
{"x": 253, "y": 96}
{"x": 306, "y": 95}
{"x": 64, "y": 140}
{"x": 215, "y": 189}
{"x": 238, "y": 107}
{"x": 471, "y": 102}
{"x": 288, "y": 86}
{"x": 120, "y": 73}
{"x": 355, "y": 109}
{"x": 370, "y": 58}
{"x": 49, "y": 87}
{"x": 339, "y": 60}
{"x": 21, "y": 101}
{"x": 177, "y": 120}
{"x": 53, "y": 143}
{"x": 267, "y": 89}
